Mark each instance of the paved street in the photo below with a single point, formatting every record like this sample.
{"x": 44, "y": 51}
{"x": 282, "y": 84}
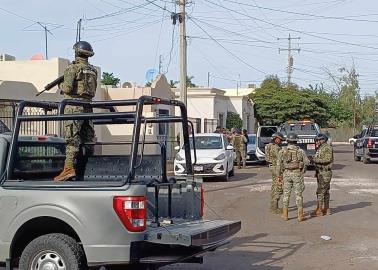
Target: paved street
{"x": 268, "y": 243}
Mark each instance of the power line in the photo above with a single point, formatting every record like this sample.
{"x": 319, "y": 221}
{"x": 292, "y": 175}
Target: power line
{"x": 345, "y": 18}
{"x": 231, "y": 53}
{"x": 293, "y": 30}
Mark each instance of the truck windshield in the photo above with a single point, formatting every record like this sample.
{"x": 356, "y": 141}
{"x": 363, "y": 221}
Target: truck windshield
{"x": 207, "y": 142}
{"x": 300, "y": 128}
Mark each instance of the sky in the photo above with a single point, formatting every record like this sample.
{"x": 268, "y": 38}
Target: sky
{"x": 235, "y": 41}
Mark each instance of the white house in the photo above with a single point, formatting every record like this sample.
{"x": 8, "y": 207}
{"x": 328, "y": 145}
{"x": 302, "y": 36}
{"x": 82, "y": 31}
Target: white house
{"x": 209, "y": 106}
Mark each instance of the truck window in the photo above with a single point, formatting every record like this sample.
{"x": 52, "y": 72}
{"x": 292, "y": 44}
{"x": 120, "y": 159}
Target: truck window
{"x": 374, "y": 133}
{"x": 300, "y": 128}
{"x": 38, "y": 159}
{"x": 267, "y": 132}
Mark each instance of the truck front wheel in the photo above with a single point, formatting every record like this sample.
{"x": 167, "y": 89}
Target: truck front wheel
{"x": 53, "y": 251}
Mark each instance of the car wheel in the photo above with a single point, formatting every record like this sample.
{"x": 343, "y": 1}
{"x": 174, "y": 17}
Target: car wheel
{"x": 53, "y": 251}
{"x": 227, "y": 175}
{"x": 356, "y": 157}
{"x": 232, "y": 172}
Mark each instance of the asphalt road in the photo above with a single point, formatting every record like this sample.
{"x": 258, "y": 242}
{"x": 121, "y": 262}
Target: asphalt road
{"x": 268, "y": 243}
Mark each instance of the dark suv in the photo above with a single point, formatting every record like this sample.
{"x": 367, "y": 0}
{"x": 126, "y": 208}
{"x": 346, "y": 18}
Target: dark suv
{"x": 366, "y": 145}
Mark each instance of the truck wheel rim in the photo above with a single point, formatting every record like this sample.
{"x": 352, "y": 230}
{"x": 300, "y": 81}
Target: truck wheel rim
{"x": 48, "y": 260}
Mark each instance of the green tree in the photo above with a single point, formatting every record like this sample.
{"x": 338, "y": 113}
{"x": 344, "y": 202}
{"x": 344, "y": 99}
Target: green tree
{"x": 109, "y": 79}
{"x": 275, "y": 103}
{"x": 173, "y": 83}
{"x": 233, "y": 120}
{"x": 189, "y": 82}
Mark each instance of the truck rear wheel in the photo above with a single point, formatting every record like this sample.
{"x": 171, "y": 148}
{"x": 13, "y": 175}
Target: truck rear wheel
{"x": 53, "y": 251}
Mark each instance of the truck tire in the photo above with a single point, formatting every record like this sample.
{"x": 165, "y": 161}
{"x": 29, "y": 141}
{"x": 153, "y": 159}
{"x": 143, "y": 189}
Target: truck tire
{"x": 356, "y": 158}
{"x": 57, "y": 251}
{"x": 365, "y": 159}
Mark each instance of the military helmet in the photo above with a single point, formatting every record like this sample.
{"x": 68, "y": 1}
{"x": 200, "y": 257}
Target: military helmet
{"x": 292, "y": 137}
{"x": 83, "y": 48}
{"x": 321, "y": 137}
{"x": 278, "y": 135}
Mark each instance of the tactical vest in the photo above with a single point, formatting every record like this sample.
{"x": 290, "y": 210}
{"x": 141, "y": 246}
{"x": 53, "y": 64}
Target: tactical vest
{"x": 292, "y": 160}
{"x": 237, "y": 142}
{"x": 86, "y": 78}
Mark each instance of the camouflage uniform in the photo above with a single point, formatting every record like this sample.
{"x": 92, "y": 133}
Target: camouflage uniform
{"x": 80, "y": 83}
{"x": 238, "y": 141}
{"x": 292, "y": 164}
{"x": 271, "y": 155}
{"x": 323, "y": 162}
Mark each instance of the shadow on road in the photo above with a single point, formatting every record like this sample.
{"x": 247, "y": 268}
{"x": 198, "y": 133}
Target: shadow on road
{"x": 305, "y": 205}
{"x": 262, "y": 255}
{"x": 348, "y": 207}
{"x": 239, "y": 176}
{"x": 338, "y": 166}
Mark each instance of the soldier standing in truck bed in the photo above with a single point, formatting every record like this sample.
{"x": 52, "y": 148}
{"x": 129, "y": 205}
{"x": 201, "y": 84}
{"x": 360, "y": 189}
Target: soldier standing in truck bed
{"x": 80, "y": 83}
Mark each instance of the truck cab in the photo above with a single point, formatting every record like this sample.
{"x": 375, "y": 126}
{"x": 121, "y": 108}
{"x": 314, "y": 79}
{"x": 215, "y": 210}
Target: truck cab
{"x": 366, "y": 145}
{"x": 122, "y": 209}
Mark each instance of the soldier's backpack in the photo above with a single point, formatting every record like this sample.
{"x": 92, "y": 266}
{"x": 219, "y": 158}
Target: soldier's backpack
{"x": 292, "y": 160}
{"x": 87, "y": 81}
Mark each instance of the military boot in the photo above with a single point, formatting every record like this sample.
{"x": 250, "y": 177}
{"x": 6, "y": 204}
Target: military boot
{"x": 318, "y": 211}
{"x": 326, "y": 209}
{"x": 67, "y": 173}
{"x": 301, "y": 215}
{"x": 285, "y": 213}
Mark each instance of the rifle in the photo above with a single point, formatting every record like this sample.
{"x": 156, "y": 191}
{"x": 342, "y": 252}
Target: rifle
{"x": 51, "y": 85}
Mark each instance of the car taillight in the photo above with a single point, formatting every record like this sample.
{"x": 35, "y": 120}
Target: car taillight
{"x": 370, "y": 143}
{"x": 202, "y": 202}
{"x": 132, "y": 212}
{"x": 42, "y": 138}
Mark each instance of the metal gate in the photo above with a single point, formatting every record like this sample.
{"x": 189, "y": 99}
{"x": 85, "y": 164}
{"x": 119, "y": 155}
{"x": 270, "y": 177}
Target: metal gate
{"x": 8, "y": 111}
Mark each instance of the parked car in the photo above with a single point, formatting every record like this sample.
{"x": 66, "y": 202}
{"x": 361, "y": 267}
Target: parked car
{"x": 251, "y": 149}
{"x": 263, "y": 137}
{"x": 366, "y": 145}
{"x": 215, "y": 156}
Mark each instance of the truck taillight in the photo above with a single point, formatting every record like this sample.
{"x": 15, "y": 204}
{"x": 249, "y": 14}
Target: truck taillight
{"x": 202, "y": 211}
{"x": 371, "y": 143}
{"x": 132, "y": 212}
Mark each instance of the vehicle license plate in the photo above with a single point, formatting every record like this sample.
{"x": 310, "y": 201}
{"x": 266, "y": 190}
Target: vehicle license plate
{"x": 311, "y": 146}
{"x": 198, "y": 168}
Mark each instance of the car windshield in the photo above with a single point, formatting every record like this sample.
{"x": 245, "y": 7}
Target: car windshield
{"x": 300, "y": 128}
{"x": 252, "y": 139}
{"x": 207, "y": 142}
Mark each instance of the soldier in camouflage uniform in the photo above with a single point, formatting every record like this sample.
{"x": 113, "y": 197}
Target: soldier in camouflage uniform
{"x": 271, "y": 155}
{"x": 323, "y": 162}
{"x": 80, "y": 83}
{"x": 238, "y": 141}
{"x": 292, "y": 163}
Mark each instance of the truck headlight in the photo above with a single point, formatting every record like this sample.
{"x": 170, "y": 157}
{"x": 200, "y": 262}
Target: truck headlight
{"x": 220, "y": 157}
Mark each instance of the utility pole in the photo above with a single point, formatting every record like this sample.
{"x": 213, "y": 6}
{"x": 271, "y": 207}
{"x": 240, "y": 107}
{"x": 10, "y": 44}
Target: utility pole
{"x": 183, "y": 56}
{"x": 290, "y": 59}
{"x": 78, "y": 30}
{"x": 160, "y": 64}
{"x": 208, "y": 79}
{"x": 46, "y": 31}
